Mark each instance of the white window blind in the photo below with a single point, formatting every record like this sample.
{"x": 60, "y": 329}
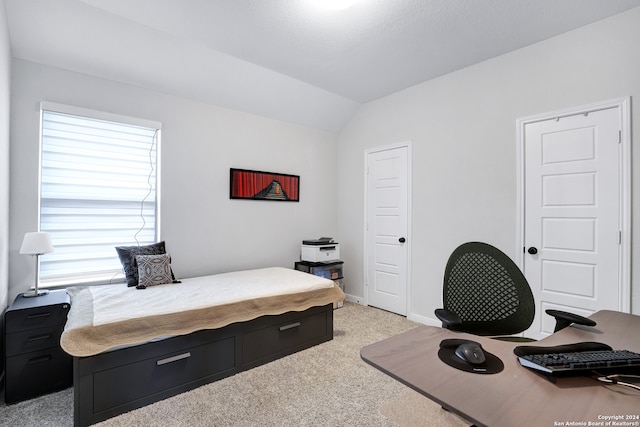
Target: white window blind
{"x": 98, "y": 186}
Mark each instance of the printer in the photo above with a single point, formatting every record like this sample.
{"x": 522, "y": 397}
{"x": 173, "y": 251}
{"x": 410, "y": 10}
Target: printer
{"x": 323, "y": 249}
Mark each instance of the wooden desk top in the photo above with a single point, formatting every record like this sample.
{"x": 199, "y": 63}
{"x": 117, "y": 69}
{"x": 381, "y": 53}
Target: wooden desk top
{"x": 516, "y": 396}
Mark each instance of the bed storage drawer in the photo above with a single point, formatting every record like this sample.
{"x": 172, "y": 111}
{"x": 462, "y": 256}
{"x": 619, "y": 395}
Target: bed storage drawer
{"x": 158, "y": 374}
{"x": 284, "y": 337}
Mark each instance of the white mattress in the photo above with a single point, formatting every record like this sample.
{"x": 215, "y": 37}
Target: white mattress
{"x": 116, "y": 303}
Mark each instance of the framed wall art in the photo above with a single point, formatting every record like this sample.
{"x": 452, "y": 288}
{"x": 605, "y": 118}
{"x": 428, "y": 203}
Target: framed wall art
{"x": 259, "y": 185}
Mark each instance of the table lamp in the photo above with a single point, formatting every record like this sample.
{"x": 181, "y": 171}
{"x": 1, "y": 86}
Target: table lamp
{"x": 36, "y": 243}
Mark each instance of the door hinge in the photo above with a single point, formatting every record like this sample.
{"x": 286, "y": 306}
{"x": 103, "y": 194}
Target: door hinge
{"x": 619, "y": 137}
{"x": 619, "y": 237}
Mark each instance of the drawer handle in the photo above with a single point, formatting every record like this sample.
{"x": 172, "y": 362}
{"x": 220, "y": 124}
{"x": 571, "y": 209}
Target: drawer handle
{"x": 39, "y": 359}
{"x": 39, "y": 337}
{"x": 36, "y": 316}
{"x": 290, "y": 326}
{"x": 174, "y": 358}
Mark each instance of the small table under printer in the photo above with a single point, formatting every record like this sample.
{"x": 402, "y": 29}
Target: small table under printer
{"x": 321, "y": 257}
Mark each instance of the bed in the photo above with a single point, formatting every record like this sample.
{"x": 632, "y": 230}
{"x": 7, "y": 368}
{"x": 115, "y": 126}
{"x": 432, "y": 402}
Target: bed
{"x": 134, "y": 347}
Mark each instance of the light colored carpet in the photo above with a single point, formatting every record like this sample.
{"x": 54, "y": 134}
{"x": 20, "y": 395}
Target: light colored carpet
{"x": 327, "y": 385}
{"x": 411, "y": 409}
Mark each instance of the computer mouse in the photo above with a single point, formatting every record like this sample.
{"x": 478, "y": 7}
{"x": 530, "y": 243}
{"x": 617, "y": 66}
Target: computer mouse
{"x": 471, "y": 352}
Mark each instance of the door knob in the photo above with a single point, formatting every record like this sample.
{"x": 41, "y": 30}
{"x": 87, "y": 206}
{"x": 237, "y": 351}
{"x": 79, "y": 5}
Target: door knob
{"x": 532, "y": 250}
{"x": 402, "y": 240}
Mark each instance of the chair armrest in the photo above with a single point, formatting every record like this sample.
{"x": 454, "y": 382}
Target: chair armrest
{"x": 564, "y": 319}
{"x": 448, "y": 318}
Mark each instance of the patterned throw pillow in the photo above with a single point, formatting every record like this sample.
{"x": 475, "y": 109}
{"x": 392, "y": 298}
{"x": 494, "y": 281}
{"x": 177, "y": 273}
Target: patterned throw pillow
{"x": 154, "y": 269}
{"x": 127, "y": 255}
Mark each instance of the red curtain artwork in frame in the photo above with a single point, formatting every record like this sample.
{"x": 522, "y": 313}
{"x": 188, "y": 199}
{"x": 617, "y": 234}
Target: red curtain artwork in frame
{"x": 258, "y": 185}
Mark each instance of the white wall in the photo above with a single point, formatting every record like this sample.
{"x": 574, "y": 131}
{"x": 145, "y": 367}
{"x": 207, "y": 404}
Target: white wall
{"x": 5, "y": 74}
{"x": 205, "y": 231}
{"x": 464, "y": 164}
{"x": 463, "y": 129}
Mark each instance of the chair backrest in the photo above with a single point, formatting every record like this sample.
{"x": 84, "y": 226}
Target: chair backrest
{"x": 487, "y": 290}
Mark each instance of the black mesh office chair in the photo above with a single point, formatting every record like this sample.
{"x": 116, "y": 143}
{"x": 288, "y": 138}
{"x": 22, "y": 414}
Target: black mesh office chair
{"x": 485, "y": 293}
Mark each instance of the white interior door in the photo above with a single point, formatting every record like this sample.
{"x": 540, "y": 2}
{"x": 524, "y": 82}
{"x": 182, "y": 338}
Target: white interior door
{"x": 387, "y": 228}
{"x": 572, "y": 214}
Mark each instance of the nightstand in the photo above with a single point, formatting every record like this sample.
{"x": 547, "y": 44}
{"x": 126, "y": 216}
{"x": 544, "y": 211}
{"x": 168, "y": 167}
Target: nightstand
{"x": 35, "y": 364}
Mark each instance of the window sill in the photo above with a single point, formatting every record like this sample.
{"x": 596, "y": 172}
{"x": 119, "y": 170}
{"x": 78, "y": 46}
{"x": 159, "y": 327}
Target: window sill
{"x": 82, "y": 280}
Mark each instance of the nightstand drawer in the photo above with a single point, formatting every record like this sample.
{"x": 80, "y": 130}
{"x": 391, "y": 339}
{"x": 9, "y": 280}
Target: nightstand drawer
{"x": 37, "y": 317}
{"x": 36, "y": 373}
{"x": 33, "y": 340}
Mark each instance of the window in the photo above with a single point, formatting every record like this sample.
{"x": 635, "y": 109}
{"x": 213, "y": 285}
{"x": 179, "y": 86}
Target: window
{"x": 98, "y": 190}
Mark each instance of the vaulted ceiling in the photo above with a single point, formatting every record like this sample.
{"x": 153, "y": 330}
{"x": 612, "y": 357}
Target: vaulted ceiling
{"x": 286, "y": 59}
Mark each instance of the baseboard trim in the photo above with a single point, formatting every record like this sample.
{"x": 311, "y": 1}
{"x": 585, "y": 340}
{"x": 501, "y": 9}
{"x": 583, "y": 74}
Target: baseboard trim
{"x": 423, "y": 320}
{"x": 354, "y": 298}
{"x": 413, "y": 317}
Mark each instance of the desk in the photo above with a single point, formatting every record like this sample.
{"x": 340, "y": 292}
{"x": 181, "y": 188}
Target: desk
{"x": 516, "y": 396}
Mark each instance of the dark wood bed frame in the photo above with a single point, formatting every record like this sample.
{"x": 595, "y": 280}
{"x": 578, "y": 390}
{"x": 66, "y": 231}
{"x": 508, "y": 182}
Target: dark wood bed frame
{"x": 111, "y": 383}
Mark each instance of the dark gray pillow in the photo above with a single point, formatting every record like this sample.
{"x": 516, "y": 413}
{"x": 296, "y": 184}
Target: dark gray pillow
{"x": 127, "y": 255}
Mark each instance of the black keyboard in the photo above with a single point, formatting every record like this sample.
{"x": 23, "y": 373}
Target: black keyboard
{"x": 577, "y": 358}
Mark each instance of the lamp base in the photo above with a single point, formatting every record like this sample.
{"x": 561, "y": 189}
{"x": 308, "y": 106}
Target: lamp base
{"x": 35, "y": 293}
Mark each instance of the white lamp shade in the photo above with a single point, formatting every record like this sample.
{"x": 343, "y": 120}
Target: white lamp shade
{"x": 36, "y": 243}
